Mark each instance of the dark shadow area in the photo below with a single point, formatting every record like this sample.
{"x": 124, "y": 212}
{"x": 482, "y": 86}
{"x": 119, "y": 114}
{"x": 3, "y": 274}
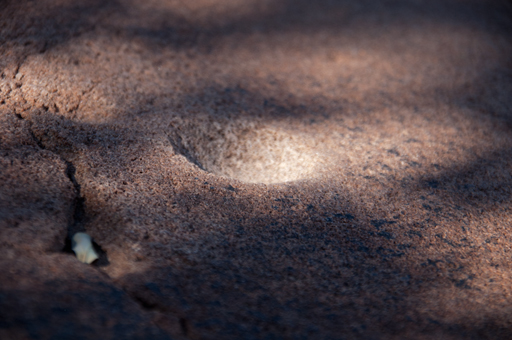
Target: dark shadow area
{"x": 491, "y": 100}
{"x": 483, "y": 183}
{"x": 169, "y": 30}
{"x": 35, "y": 27}
{"x": 76, "y": 304}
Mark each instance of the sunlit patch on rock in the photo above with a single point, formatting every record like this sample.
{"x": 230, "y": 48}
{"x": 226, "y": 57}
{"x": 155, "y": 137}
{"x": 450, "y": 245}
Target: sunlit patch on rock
{"x": 247, "y": 151}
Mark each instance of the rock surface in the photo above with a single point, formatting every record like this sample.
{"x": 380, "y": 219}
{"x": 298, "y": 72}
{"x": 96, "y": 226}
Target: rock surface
{"x": 256, "y": 169}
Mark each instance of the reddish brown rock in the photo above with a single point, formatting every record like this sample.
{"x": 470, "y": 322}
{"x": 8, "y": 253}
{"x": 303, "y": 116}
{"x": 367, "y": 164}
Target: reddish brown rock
{"x": 256, "y": 169}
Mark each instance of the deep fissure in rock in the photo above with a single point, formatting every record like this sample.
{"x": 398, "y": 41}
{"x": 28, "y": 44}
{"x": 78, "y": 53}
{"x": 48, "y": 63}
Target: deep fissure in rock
{"x": 79, "y": 202}
{"x": 79, "y": 218}
{"x": 184, "y": 326}
{"x": 77, "y": 223}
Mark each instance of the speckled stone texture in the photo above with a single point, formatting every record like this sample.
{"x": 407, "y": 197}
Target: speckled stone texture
{"x": 256, "y": 169}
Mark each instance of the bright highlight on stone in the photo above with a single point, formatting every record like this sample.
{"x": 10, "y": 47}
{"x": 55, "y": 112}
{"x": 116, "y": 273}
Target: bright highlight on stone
{"x": 82, "y": 246}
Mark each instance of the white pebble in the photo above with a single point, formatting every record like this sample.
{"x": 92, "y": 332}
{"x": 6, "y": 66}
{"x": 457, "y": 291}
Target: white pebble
{"x": 82, "y": 246}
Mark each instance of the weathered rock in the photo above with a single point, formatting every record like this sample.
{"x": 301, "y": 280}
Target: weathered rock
{"x": 256, "y": 169}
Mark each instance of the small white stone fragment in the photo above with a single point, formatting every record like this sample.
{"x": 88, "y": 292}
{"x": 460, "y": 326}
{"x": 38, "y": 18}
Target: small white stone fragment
{"x": 82, "y": 246}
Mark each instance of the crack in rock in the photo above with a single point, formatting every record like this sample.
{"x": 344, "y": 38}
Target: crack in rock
{"x": 78, "y": 219}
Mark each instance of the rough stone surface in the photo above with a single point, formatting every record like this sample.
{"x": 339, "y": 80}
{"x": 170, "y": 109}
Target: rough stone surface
{"x": 256, "y": 169}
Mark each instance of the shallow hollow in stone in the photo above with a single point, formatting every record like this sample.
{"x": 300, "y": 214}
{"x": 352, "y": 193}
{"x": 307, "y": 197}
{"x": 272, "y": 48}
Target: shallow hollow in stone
{"x": 249, "y": 151}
